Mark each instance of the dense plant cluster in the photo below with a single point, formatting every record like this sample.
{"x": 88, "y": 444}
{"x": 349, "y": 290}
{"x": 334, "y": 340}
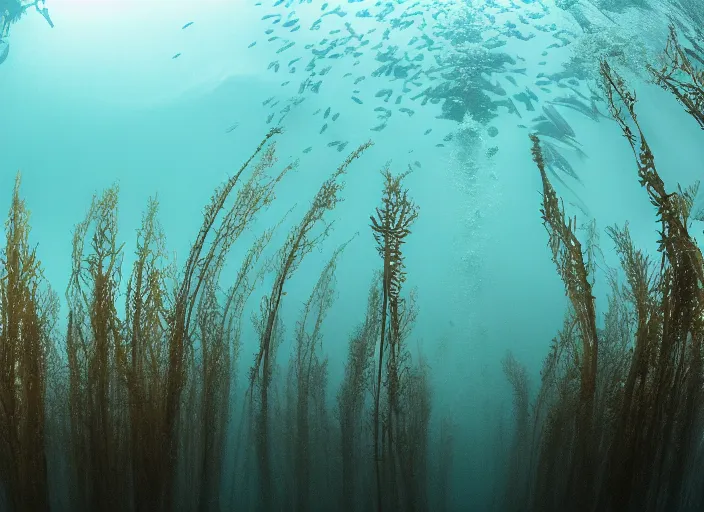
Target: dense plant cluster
{"x": 617, "y": 423}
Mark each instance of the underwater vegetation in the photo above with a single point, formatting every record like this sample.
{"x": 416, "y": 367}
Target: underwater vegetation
{"x": 133, "y": 411}
{"x": 617, "y": 422}
{"x": 135, "y": 405}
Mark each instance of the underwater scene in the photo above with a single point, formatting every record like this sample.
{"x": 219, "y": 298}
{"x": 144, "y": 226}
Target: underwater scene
{"x": 352, "y": 255}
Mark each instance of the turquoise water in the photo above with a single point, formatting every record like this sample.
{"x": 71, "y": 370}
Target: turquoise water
{"x": 170, "y": 98}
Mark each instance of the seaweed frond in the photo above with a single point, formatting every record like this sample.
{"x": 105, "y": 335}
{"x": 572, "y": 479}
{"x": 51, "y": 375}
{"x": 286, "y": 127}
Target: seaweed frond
{"x": 681, "y": 78}
{"x": 299, "y": 243}
{"x": 568, "y": 257}
{"x": 24, "y": 350}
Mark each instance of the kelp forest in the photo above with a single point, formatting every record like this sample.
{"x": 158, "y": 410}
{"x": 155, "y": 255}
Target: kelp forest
{"x": 132, "y": 402}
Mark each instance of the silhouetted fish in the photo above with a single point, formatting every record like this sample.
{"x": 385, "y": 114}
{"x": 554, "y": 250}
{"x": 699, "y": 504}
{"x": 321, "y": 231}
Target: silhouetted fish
{"x": 558, "y": 120}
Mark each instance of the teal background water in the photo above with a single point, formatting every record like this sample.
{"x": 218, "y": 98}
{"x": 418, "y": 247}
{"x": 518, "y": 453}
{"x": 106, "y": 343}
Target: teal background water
{"x": 99, "y": 100}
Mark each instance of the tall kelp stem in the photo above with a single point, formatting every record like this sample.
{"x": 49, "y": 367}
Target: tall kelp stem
{"x": 145, "y": 316}
{"x": 517, "y": 375}
{"x": 96, "y": 351}
{"x": 306, "y": 364}
{"x": 390, "y": 226}
{"x": 357, "y": 381}
{"x": 300, "y": 242}
{"x": 567, "y": 256}
{"x": 25, "y": 320}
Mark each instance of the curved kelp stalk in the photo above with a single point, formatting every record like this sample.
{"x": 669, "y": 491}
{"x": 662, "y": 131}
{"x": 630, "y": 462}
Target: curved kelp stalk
{"x": 202, "y": 268}
{"x": 567, "y": 256}
{"x": 626, "y": 427}
{"x": 129, "y": 435}
{"x": 680, "y": 77}
{"x": 300, "y": 242}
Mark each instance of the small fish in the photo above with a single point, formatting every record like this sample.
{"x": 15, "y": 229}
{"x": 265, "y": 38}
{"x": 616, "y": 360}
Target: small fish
{"x": 308, "y": 149}
{"x": 379, "y": 127}
{"x": 268, "y": 119}
{"x": 252, "y": 44}
{"x": 559, "y": 121}
{"x": 284, "y": 48}
{"x": 176, "y": 56}
{"x": 187, "y": 25}
{"x": 356, "y": 100}
{"x": 555, "y": 160}
{"x": 334, "y": 143}
{"x": 406, "y": 111}
{"x": 327, "y": 113}
{"x": 384, "y": 92}
{"x": 232, "y": 128}
{"x": 335, "y": 116}
{"x": 325, "y": 127}
{"x": 427, "y": 132}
